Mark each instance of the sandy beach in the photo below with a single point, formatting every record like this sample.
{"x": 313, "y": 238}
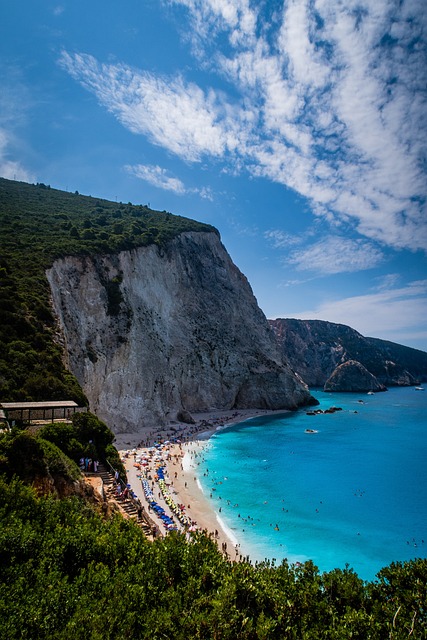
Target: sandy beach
{"x": 174, "y": 448}
{"x": 204, "y": 425}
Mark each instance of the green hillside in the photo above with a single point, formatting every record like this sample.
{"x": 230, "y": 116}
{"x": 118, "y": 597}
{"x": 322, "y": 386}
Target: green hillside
{"x": 39, "y": 224}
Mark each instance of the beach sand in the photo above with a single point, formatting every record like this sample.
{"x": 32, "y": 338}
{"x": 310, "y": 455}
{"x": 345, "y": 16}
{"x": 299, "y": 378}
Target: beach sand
{"x": 187, "y": 490}
{"x": 184, "y": 488}
{"x": 206, "y": 422}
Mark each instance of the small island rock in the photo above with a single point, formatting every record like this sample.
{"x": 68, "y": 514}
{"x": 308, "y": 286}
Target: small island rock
{"x": 353, "y": 376}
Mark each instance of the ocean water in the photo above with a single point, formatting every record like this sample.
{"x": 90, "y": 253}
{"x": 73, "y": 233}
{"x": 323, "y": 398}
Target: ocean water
{"x": 353, "y": 493}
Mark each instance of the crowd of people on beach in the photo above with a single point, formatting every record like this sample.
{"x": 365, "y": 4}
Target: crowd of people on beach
{"x": 151, "y": 465}
{"x": 186, "y": 432}
{"x": 153, "y": 470}
{"x": 153, "y": 458}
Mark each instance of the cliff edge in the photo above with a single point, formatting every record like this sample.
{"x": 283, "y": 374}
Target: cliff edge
{"x": 159, "y": 329}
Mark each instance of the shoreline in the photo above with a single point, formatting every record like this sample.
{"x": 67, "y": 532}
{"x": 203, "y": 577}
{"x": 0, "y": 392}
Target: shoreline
{"x": 205, "y": 424}
{"x": 365, "y": 551}
{"x": 181, "y": 485}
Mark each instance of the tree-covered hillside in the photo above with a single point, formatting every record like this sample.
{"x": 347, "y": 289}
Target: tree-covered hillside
{"x": 39, "y": 224}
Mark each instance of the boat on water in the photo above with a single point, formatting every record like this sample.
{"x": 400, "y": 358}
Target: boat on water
{"x": 419, "y": 388}
{"x": 311, "y": 431}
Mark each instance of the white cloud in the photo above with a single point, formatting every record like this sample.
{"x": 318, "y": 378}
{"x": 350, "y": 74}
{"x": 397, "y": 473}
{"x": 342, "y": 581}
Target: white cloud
{"x": 390, "y": 314}
{"x": 280, "y": 239}
{"x": 11, "y": 169}
{"x": 209, "y": 17}
{"x": 389, "y": 281}
{"x": 297, "y": 43}
{"x": 335, "y": 254}
{"x": 204, "y": 192}
{"x": 176, "y": 115}
{"x": 158, "y": 177}
{"x": 331, "y": 103}
{"x": 15, "y": 101}
{"x": 336, "y": 80}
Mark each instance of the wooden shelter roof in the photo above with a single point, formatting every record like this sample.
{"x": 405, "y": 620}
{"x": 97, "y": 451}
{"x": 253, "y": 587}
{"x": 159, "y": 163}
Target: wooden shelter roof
{"x": 31, "y": 411}
{"x": 47, "y": 404}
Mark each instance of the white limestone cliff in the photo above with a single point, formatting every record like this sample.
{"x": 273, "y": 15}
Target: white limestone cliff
{"x": 154, "y": 330}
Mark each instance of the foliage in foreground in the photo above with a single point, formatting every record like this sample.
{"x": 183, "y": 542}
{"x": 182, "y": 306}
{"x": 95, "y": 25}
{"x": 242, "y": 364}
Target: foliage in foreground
{"x": 48, "y": 456}
{"x": 67, "y": 573}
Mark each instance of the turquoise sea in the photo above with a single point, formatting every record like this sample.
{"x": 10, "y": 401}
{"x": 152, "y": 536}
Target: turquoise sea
{"x": 354, "y": 492}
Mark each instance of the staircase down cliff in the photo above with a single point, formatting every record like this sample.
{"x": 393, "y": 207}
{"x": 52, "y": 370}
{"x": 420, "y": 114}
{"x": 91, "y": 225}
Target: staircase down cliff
{"x": 155, "y": 330}
{"x": 314, "y": 348}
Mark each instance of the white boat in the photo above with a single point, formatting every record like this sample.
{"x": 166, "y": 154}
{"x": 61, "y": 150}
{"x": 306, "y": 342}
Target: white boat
{"x": 419, "y": 388}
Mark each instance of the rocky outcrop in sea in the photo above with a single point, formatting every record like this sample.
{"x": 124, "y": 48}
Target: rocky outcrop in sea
{"x": 352, "y": 376}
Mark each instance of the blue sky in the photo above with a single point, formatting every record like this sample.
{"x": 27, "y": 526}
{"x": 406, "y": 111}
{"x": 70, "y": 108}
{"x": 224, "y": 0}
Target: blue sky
{"x": 297, "y": 128}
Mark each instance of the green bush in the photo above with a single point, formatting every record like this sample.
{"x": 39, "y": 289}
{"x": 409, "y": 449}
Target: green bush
{"x": 65, "y": 572}
{"x": 64, "y": 436}
{"x": 86, "y": 436}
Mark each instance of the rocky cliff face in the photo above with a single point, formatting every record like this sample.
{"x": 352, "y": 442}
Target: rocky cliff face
{"x": 314, "y": 348}
{"x": 354, "y": 377}
{"x": 153, "y": 331}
